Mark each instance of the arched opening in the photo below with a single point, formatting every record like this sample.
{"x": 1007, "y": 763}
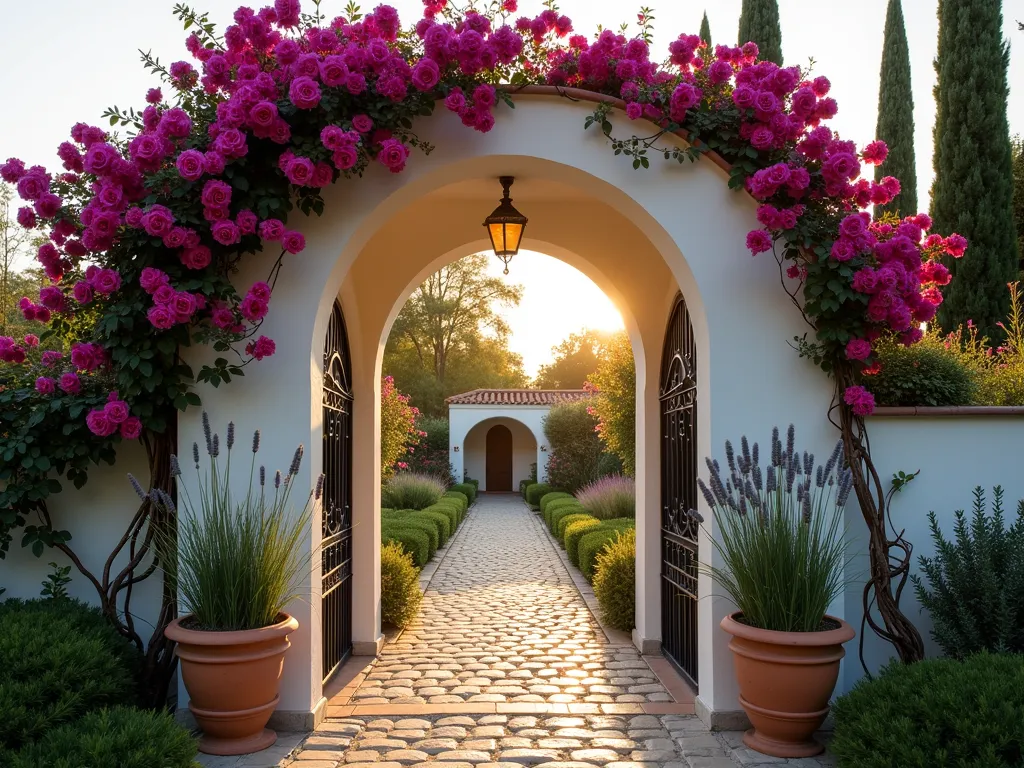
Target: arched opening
{"x": 641, "y": 236}
{"x": 498, "y": 461}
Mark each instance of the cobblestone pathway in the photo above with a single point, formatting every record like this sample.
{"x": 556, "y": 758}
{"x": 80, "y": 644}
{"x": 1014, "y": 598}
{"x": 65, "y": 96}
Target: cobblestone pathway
{"x": 502, "y": 624}
{"x": 502, "y": 621}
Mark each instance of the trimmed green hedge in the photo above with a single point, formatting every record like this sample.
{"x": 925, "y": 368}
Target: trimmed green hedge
{"x": 615, "y": 581}
{"x": 59, "y": 661}
{"x": 937, "y": 713}
{"x": 467, "y": 489}
{"x": 594, "y": 542}
{"x": 449, "y": 511}
{"x": 574, "y": 532}
{"x": 455, "y": 506}
{"x": 413, "y": 540}
{"x": 523, "y": 485}
{"x": 568, "y": 520}
{"x": 459, "y": 497}
{"x": 429, "y": 527}
{"x": 558, "y": 514}
{"x": 400, "y": 593}
{"x": 122, "y": 737}
{"x": 556, "y": 505}
{"x": 535, "y": 492}
{"x": 436, "y": 524}
{"x": 547, "y": 498}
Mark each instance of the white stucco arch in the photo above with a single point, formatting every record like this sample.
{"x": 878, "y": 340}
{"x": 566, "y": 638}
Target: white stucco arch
{"x": 643, "y": 234}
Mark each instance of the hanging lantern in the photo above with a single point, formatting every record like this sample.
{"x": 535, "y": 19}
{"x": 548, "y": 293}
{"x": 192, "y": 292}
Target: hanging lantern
{"x": 505, "y": 226}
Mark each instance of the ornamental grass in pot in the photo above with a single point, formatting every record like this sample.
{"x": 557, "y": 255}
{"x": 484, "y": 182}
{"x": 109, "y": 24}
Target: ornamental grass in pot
{"x": 236, "y": 562}
{"x": 780, "y": 538}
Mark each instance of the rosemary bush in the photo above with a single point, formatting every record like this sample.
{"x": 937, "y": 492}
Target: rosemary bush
{"x": 973, "y": 587}
{"x": 779, "y": 533}
{"x": 239, "y": 561}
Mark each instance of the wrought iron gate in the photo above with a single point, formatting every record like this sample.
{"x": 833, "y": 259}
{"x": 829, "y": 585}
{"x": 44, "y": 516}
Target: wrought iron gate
{"x": 336, "y": 607}
{"x": 678, "y": 394}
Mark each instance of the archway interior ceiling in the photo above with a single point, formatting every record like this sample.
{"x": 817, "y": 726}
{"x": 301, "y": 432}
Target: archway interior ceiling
{"x": 564, "y": 222}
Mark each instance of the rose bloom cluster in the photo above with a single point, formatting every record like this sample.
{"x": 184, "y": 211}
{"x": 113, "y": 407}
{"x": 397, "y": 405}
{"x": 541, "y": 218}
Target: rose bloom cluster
{"x": 274, "y": 76}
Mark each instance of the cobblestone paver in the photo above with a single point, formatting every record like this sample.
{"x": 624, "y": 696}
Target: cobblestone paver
{"x": 501, "y": 621}
{"x": 546, "y": 741}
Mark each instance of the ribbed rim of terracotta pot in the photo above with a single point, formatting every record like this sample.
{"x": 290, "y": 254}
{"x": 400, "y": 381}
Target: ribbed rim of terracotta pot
{"x": 843, "y": 633}
{"x": 180, "y": 634}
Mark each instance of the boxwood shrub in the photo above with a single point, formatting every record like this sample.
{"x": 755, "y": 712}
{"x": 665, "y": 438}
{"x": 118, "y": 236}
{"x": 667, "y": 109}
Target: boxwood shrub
{"x": 441, "y": 522}
{"x": 615, "y": 581}
{"x": 568, "y": 520}
{"x": 59, "y": 661}
{"x": 560, "y": 513}
{"x": 937, "y": 713}
{"x": 556, "y": 505}
{"x": 467, "y": 489}
{"x": 523, "y": 485}
{"x": 413, "y": 540}
{"x": 122, "y": 737}
{"x": 574, "y": 532}
{"x": 449, "y": 511}
{"x": 400, "y": 593}
{"x": 460, "y": 497}
{"x": 411, "y": 518}
{"x": 455, "y": 506}
{"x": 535, "y": 492}
{"x": 547, "y": 498}
{"x": 596, "y": 540}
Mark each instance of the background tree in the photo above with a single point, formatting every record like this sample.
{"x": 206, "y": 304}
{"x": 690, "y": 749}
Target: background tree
{"x": 759, "y": 22}
{"x": 614, "y": 401}
{"x": 577, "y": 455}
{"x": 973, "y": 189}
{"x": 430, "y": 455}
{"x": 705, "y": 30}
{"x": 450, "y": 337}
{"x": 895, "y": 124}
{"x": 1018, "y": 196}
{"x": 574, "y": 360}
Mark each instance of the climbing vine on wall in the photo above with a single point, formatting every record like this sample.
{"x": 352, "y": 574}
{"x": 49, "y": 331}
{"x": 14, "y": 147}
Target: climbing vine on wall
{"x": 148, "y": 218}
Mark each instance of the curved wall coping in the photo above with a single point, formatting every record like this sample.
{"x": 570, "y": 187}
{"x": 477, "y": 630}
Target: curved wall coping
{"x": 581, "y": 94}
{"x": 968, "y": 411}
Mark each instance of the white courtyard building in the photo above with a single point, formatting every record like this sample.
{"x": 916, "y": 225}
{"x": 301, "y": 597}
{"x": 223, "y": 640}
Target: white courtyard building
{"x": 496, "y": 436}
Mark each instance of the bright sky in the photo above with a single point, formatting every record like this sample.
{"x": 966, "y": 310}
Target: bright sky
{"x": 558, "y": 300}
{"x": 70, "y": 59}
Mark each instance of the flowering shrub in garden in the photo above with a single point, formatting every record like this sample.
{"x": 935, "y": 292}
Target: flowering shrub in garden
{"x": 146, "y": 227}
{"x": 399, "y": 435}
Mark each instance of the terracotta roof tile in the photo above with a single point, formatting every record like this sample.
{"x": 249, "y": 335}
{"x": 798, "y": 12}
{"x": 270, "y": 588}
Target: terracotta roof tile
{"x": 518, "y": 397}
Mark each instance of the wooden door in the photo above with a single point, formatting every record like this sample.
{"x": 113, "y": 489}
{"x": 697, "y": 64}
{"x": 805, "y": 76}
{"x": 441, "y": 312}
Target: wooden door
{"x": 499, "y": 459}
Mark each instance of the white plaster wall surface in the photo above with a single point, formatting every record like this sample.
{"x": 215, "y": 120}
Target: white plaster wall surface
{"x": 636, "y": 234}
{"x": 96, "y": 515}
{"x": 525, "y": 450}
{"x": 465, "y": 431}
{"x": 954, "y": 454}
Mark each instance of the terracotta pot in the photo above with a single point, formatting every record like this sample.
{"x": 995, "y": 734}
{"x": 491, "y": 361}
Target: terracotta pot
{"x": 786, "y": 680}
{"x": 232, "y": 679}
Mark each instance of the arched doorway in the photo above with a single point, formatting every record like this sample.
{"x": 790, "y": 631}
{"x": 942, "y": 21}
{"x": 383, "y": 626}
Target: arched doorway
{"x": 678, "y": 396}
{"x": 499, "y": 459}
{"x": 336, "y": 523}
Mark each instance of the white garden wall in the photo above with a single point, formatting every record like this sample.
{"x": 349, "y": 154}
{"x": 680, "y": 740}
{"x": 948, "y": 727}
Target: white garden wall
{"x": 97, "y": 516}
{"x": 954, "y": 454}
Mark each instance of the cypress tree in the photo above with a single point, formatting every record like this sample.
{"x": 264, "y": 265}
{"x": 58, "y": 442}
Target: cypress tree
{"x": 896, "y": 114}
{"x": 973, "y": 189}
{"x": 705, "y": 30}
{"x": 759, "y": 21}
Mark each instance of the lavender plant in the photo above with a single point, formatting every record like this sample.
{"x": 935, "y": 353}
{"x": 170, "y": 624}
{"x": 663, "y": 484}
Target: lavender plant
{"x": 236, "y": 563}
{"x": 779, "y": 532}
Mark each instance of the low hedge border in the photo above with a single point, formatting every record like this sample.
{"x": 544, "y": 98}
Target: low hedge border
{"x": 535, "y": 492}
{"x": 576, "y": 531}
{"x": 467, "y": 489}
{"x": 594, "y": 542}
{"x": 561, "y": 512}
{"x": 553, "y": 496}
{"x": 568, "y": 520}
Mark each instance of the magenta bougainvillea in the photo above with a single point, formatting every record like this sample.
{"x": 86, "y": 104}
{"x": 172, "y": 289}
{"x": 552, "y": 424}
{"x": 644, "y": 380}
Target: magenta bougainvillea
{"x": 144, "y": 228}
